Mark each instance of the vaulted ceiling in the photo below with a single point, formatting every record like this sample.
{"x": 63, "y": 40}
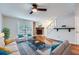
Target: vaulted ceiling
{"x": 21, "y": 10}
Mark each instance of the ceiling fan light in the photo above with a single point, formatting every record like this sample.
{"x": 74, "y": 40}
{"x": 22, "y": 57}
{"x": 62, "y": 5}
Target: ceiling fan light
{"x": 34, "y": 10}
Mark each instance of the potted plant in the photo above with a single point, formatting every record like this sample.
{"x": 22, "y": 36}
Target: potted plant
{"x": 6, "y": 32}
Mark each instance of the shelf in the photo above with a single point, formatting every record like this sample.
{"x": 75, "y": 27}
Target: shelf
{"x": 69, "y": 29}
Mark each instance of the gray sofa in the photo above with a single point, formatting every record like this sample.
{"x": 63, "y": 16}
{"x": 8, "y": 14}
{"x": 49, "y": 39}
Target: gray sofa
{"x": 62, "y": 49}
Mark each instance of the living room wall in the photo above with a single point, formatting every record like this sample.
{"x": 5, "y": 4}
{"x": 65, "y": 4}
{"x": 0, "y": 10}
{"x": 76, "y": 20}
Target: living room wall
{"x": 12, "y": 24}
{"x": 69, "y": 21}
{"x": 64, "y": 34}
{"x": 0, "y": 22}
{"x": 77, "y": 22}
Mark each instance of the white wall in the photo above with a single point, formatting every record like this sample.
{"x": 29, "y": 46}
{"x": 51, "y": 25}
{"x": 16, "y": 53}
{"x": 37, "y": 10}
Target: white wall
{"x": 0, "y": 22}
{"x": 12, "y": 24}
{"x": 77, "y": 22}
{"x": 69, "y": 21}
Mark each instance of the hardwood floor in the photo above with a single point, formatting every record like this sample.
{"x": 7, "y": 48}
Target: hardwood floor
{"x": 75, "y": 49}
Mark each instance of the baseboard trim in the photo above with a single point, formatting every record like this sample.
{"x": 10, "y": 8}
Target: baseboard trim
{"x": 74, "y": 44}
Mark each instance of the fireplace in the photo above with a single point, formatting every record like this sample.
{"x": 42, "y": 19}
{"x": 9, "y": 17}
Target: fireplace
{"x": 39, "y": 30}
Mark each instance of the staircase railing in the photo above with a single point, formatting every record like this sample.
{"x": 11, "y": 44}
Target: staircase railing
{"x": 51, "y": 26}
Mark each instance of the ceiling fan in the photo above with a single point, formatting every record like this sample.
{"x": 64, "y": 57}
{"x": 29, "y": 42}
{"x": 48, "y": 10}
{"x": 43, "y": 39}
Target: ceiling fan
{"x": 36, "y": 9}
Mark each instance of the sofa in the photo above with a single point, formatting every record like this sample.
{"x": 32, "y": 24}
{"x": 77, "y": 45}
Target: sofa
{"x": 62, "y": 49}
{"x": 29, "y": 48}
{"x": 8, "y": 49}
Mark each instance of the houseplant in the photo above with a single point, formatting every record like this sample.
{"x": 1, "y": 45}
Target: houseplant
{"x": 6, "y": 32}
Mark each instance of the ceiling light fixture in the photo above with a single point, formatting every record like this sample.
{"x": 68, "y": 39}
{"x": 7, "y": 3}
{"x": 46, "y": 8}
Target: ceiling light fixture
{"x": 34, "y": 10}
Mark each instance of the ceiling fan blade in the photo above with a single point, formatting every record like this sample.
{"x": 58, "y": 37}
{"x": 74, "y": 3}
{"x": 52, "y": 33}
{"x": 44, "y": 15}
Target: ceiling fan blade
{"x": 35, "y": 8}
{"x": 31, "y": 12}
{"x": 41, "y": 9}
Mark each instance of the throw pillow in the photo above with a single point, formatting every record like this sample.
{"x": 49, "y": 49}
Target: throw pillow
{"x": 4, "y": 51}
{"x": 8, "y": 41}
{"x": 54, "y": 46}
{"x": 2, "y": 44}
